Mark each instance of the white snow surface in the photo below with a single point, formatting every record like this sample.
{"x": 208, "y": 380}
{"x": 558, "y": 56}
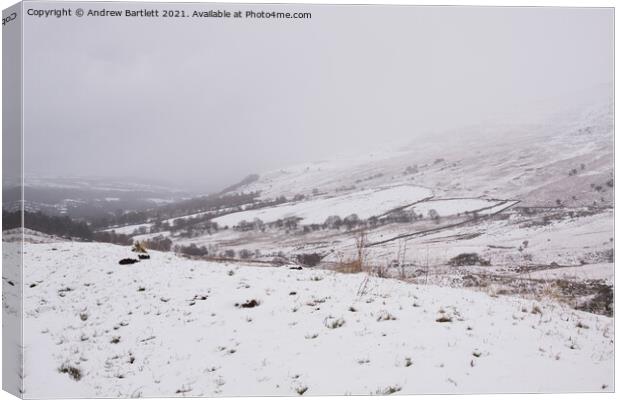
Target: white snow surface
{"x": 603, "y": 271}
{"x": 129, "y": 229}
{"x": 17, "y": 235}
{"x": 143, "y": 330}
{"x": 364, "y": 203}
{"x": 445, "y": 207}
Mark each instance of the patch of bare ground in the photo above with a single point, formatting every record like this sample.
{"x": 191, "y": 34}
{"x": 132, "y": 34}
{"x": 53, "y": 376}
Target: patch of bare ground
{"x": 593, "y": 296}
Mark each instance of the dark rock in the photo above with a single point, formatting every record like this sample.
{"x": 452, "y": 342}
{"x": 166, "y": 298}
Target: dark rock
{"x": 127, "y": 261}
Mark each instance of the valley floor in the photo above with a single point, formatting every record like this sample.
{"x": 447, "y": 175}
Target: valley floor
{"x": 170, "y": 326}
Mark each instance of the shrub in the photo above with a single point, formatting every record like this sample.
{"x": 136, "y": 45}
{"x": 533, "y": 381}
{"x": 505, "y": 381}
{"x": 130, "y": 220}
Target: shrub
{"x": 434, "y": 215}
{"x": 245, "y": 254}
{"x": 113, "y": 237}
{"x": 333, "y": 323}
{"x": 309, "y": 259}
{"x": 411, "y": 169}
{"x": 380, "y": 271}
{"x": 467, "y": 259}
{"x": 351, "y": 221}
{"x": 160, "y": 243}
{"x": 74, "y": 372}
{"x": 192, "y": 250}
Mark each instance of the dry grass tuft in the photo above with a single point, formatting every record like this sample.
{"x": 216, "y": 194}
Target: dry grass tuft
{"x": 74, "y": 372}
{"x": 385, "y": 316}
{"x": 389, "y": 390}
{"x": 333, "y": 323}
{"x": 357, "y": 264}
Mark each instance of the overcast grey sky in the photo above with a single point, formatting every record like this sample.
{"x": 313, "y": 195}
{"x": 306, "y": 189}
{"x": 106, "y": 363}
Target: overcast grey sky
{"x": 206, "y": 102}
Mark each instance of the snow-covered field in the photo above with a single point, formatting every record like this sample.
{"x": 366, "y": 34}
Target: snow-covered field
{"x": 364, "y": 203}
{"x": 448, "y": 207}
{"x": 169, "y": 326}
{"x": 603, "y": 271}
{"x": 129, "y": 229}
{"x": 507, "y": 242}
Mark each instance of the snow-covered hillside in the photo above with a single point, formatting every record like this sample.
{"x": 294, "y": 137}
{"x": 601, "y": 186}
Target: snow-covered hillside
{"x": 170, "y": 326}
{"x": 537, "y": 163}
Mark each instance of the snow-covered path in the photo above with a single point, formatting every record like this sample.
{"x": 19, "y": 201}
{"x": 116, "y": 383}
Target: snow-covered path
{"x": 170, "y": 327}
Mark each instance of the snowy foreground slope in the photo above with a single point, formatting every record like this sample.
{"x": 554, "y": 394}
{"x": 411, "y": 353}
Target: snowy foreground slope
{"x": 171, "y": 326}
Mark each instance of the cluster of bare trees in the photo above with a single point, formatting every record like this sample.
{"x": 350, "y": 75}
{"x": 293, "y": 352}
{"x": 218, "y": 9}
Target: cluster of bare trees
{"x": 192, "y": 250}
{"x": 50, "y": 224}
{"x": 350, "y": 222}
{"x": 159, "y": 243}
